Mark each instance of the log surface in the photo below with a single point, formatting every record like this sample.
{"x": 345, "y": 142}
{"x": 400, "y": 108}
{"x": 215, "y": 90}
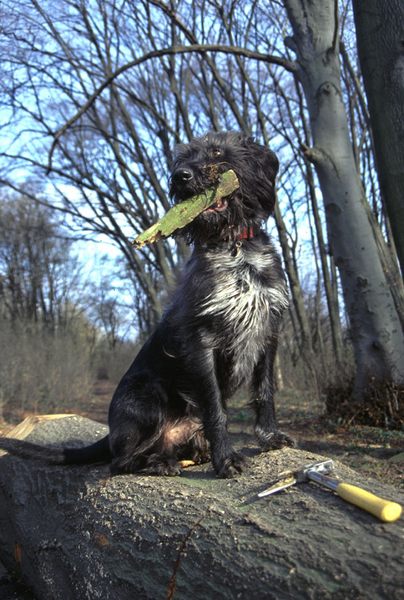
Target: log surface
{"x": 75, "y": 533}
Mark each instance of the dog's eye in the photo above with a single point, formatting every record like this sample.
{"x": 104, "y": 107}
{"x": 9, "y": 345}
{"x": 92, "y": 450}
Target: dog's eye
{"x": 217, "y": 152}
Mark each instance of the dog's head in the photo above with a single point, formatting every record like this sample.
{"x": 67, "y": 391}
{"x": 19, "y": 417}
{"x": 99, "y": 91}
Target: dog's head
{"x": 197, "y": 167}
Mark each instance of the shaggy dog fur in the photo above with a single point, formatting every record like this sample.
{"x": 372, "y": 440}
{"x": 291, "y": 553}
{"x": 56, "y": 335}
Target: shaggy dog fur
{"x": 218, "y": 333}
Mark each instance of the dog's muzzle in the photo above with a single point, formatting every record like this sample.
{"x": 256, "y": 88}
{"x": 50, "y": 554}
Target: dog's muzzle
{"x": 183, "y": 183}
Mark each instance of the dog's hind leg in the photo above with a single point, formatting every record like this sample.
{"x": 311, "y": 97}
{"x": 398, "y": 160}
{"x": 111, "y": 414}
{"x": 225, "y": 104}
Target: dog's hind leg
{"x": 266, "y": 428}
{"x": 137, "y": 422}
{"x": 187, "y": 438}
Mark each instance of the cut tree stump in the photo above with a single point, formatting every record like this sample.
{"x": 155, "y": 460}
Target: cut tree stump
{"x": 75, "y": 533}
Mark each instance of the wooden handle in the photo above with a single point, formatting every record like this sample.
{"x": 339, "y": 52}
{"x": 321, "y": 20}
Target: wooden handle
{"x": 385, "y": 510}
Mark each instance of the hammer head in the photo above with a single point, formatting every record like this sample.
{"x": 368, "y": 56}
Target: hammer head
{"x": 324, "y": 467}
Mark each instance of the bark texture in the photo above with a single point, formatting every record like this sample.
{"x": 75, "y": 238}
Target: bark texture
{"x": 73, "y": 532}
{"x": 380, "y": 36}
{"x": 377, "y": 335}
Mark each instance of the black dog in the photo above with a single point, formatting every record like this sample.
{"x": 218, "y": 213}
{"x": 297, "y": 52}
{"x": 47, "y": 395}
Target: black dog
{"x": 219, "y": 332}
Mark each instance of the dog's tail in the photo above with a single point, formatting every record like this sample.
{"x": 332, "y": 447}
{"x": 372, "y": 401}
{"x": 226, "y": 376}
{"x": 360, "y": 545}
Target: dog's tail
{"x": 97, "y": 452}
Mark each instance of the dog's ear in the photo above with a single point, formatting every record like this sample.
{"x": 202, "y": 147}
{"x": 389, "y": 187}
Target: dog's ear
{"x": 267, "y": 159}
{"x": 263, "y": 155}
{"x": 264, "y": 170}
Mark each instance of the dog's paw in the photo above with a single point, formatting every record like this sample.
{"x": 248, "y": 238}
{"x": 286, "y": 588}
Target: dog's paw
{"x": 231, "y": 466}
{"x": 273, "y": 440}
{"x": 201, "y": 458}
{"x": 169, "y": 468}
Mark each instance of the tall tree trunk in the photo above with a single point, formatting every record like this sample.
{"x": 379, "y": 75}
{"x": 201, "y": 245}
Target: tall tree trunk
{"x": 335, "y": 323}
{"x": 377, "y": 335}
{"x": 333, "y": 312}
{"x": 380, "y": 37}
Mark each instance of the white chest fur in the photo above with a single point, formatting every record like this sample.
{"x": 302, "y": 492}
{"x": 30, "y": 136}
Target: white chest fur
{"x": 244, "y": 298}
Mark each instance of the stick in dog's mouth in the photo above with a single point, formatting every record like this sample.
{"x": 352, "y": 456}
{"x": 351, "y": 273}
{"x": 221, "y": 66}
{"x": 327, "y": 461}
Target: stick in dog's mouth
{"x": 180, "y": 215}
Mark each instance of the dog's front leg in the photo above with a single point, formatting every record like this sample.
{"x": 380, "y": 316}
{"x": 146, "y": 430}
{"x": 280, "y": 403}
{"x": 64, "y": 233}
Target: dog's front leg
{"x": 266, "y": 428}
{"x": 226, "y": 461}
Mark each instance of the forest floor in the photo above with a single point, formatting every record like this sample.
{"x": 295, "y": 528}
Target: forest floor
{"x": 375, "y": 452}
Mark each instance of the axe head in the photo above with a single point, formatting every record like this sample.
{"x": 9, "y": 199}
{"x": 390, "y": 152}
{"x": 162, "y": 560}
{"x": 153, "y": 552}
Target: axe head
{"x": 289, "y": 478}
{"x": 325, "y": 467}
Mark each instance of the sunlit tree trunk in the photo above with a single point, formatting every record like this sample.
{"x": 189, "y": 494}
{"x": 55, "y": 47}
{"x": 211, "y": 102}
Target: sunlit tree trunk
{"x": 333, "y": 310}
{"x": 335, "y": 324}
{"x": 377, "y": 335}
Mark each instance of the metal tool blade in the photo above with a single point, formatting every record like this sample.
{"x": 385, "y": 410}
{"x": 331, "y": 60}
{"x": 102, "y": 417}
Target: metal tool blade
{"x": 278, "y": 486}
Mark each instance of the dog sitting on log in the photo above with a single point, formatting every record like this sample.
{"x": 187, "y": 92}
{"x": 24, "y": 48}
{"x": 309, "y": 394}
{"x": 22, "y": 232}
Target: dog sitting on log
{"x": 218, "y": 333}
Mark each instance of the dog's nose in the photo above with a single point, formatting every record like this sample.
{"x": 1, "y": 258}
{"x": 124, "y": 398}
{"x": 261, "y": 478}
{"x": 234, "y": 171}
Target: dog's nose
{"x": 182, "y": 175}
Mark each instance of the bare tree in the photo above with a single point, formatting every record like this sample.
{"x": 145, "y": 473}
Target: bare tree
{"x": 37, "y": 269}
{"x": 107, "y": 310}
{"x": 380, "y": 29}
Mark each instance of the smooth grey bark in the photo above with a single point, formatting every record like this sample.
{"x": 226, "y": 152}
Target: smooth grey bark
{"x": 333, "y": 308}
{"x": 377, "y": 336}
{"x": 380, "y": 36}
{"x": 75, "y": 533}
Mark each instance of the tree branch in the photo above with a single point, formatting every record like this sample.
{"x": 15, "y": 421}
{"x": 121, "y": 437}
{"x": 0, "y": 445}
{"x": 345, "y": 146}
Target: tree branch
{"x": 202, "y": 48}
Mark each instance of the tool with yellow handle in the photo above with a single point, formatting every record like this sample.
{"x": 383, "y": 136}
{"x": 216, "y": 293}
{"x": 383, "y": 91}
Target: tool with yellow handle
{"x": 319, "y": 472}
{"x": 385, "y": 510}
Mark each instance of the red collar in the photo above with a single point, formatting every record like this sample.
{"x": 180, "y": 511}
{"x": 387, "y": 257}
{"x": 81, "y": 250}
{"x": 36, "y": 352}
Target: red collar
{"x": 246, "y": 233}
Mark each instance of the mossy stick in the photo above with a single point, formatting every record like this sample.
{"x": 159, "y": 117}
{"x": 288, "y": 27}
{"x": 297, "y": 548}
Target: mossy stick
{"x": 183, "y": 213}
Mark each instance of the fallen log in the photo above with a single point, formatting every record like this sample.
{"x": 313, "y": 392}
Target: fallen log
{"x": 75, "y": 533}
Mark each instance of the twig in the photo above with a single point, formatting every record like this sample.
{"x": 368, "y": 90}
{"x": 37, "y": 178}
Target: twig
{"x": 173, "y": 579}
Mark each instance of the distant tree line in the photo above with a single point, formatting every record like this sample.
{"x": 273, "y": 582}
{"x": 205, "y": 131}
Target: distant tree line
{"x": 37, "y": 269}
{"x": 58, "y": 331}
